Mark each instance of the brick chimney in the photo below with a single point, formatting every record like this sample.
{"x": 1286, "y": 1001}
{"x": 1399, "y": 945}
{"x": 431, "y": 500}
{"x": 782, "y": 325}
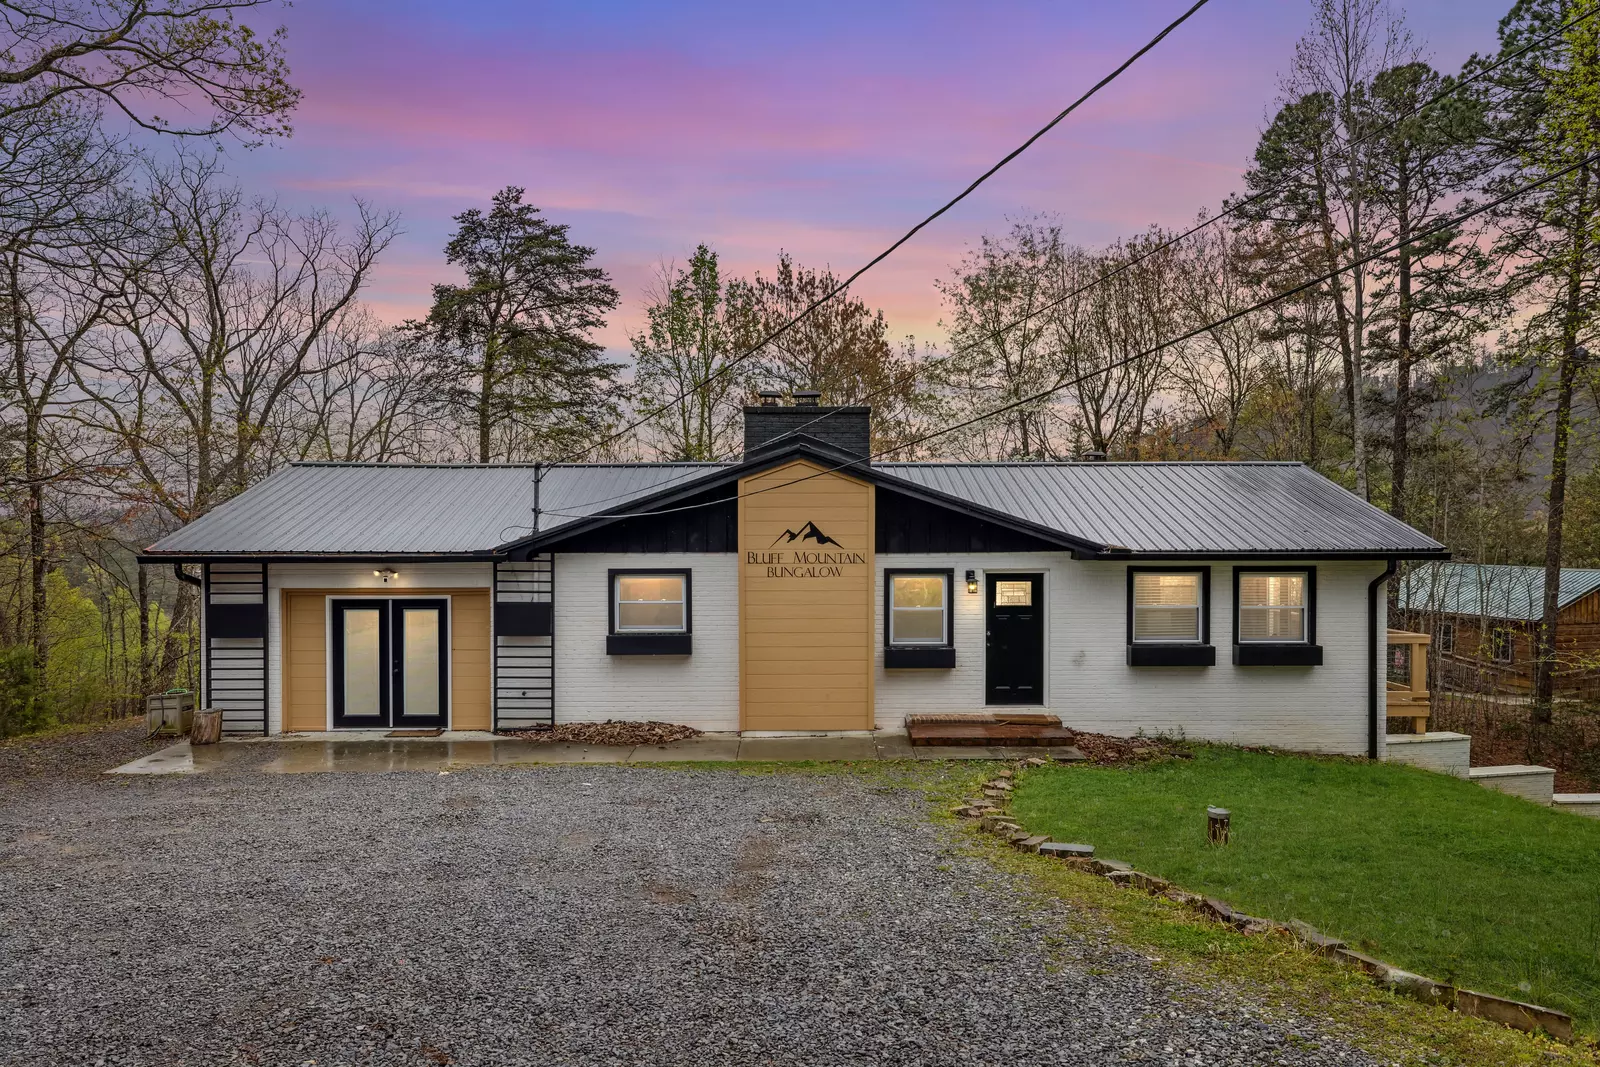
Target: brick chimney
{"x": 847, "y": 428}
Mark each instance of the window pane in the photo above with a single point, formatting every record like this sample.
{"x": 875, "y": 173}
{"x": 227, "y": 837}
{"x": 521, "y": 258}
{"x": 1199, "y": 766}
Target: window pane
{"x": 640, "y": 616}
{"x": 363, "y": 675}
{"x": 1272, "y": 624}
{"x": 1013, "y": 594}
{"x": 916, "y": 626}
{"x": 420, "y": 674}
{"x": 1166, "y": 589}
{"x": 919, "y": 591}
{"x": 1166, "y": 624}
{"x": 1272, "y": 590}
{"x": 650, "y": 587}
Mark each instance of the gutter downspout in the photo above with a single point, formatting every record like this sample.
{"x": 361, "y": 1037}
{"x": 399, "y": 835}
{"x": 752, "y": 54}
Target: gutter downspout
{"x": 1373, "y": 716}
{"x": 184, "y": 576}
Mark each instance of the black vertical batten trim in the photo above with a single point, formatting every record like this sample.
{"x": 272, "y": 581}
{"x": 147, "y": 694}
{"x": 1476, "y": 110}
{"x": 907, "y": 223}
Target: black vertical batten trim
{"x": 266, "y": 652}
{"x": 205, "y": 633}
{"x": 1372, "y": 656}
{"x": 494, "y": 640}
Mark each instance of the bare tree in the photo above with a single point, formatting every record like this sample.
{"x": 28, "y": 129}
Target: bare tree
{"x": 209, "y": 71}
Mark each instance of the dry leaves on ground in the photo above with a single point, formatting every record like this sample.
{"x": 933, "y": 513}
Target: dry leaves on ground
{"x": 610, "y": 733}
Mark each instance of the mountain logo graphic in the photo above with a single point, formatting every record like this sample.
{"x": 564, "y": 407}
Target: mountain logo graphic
{"x": 808, "y": 532}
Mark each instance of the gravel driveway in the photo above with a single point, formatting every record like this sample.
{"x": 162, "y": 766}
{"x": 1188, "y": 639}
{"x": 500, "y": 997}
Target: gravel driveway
{"x": 553, "y": 915}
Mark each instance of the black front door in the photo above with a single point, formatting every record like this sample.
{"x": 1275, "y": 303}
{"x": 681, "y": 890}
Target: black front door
{"x": 390, "y": 663}
{"x": 1014, "y": 618}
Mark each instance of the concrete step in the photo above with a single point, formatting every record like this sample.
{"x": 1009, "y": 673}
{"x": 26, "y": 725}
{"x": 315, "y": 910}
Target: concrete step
{"x": 1578, "y": 803}
{"x": 1537, "y": 784}
{"x": 1440, "y": 750}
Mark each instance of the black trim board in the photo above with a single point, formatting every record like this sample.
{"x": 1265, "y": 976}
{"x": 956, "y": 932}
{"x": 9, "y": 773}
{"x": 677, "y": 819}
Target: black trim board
{"x": 1149, "y": 654}
{"x": 649, "y": 644}
{"x": 513, "y": 618}
{"x": 908, "y": 657}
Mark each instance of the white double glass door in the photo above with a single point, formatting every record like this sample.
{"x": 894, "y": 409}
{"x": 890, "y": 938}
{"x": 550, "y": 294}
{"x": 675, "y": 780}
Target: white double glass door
{"x": 389, "y": 661}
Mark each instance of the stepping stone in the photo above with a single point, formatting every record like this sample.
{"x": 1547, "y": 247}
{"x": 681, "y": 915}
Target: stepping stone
{"x": 1066, "y": 850}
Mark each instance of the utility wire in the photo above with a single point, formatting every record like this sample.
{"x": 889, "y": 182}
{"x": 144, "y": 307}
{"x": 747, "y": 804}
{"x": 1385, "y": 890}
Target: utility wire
{"x": 1453, "y": 88}
{"x": 881, "y": 256}
{"x": 1044, "y": 394}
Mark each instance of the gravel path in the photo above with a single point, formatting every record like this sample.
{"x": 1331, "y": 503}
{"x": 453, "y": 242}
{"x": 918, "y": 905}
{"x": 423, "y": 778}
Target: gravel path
{"x": 554, "y": 915}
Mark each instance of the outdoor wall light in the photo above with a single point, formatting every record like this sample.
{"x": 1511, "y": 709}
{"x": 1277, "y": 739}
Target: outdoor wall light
{"x": 385, "y": 573}
{"x": 972, "y": 581}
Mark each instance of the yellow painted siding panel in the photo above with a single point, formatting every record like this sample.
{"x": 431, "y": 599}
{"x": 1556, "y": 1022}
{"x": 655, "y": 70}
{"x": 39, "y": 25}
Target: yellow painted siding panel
{"x": 305, "y": 667}
{"x": 805, "y": 600}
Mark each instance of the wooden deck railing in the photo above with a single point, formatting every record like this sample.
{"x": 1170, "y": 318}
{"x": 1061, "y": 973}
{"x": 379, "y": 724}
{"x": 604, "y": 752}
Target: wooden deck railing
{"x": 1408, "y": 696}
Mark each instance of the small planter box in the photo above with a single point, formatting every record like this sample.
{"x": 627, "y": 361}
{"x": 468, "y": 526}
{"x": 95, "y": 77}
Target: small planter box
{"x": 169, "y": 712}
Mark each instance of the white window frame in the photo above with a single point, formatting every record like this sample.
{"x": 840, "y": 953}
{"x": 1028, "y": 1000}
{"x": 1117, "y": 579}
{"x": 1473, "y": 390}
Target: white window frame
{"x": 617, "y": 602}
{"x": 1201, "y": 607}
{"x": 1306, "y": 576}
{"x": 947, "y": 580}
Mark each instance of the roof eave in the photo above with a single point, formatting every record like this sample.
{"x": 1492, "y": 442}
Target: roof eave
{"x": 317, "y": 557}
{"x": 1271, "y": 554}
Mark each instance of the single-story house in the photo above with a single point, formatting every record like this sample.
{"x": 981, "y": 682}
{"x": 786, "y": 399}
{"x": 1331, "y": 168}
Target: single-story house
{"x": 802, "y": 587}
{"x": 1485, "y": 621}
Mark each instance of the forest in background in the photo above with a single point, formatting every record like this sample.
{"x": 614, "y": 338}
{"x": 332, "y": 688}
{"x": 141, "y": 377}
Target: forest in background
{"x": 170, "y": 338}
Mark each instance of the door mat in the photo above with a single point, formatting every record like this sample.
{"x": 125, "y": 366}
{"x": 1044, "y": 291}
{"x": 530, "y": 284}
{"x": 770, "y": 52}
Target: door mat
{"x": 413, "y": 733}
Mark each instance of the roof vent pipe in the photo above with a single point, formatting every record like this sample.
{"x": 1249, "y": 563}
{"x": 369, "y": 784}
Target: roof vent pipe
{"x": 770, "y": 397}
{"x": 1094, "y": 457}
{"x": 806, "y": 398}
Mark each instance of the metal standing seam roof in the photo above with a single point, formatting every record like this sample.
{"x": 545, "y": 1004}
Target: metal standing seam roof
{"x": 1179, "y": 507}
{"x": 1493, "y": 591}
{"x": 411, "y": 508}
{"x": 445, "y": 509}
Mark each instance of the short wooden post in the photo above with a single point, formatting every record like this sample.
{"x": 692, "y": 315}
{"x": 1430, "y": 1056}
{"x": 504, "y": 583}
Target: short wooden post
{"x": 1217, "y": 825}
{"x": 207, "y": 728}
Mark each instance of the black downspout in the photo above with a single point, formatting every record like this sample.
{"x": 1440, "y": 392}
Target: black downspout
{"x": 1373, "y": 714}
{"x": 184, "y": 576}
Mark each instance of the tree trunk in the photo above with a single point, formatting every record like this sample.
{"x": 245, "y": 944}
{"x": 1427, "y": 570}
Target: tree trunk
{"x": 1402, "y": 371}
{"x": 1555, "y": 510}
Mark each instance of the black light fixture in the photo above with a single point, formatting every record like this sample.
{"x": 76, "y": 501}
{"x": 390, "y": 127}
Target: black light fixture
{"x": 972, "y": 581}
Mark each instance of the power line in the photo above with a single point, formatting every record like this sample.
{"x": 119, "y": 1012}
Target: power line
{"x": 1453, "y": 88}
{"x": 1044, "y": 394}
{"x": 881, "y": 256}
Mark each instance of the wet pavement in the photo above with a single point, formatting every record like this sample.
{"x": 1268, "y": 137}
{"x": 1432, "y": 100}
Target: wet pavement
{"x": 446, "y": 753}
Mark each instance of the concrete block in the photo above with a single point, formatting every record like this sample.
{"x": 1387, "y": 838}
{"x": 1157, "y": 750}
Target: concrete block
{"x": 1515, "y": 1014}
{"x": 1109, "y": 866}
{"x": 1416, "y": 986}
{"x": 1315, "y": 939}
{"x": 1537, "y": 784}
{"x": 1066, "y": 850}
{"x": 1586, "y": 804}
{"x": 1442, "y": 751}
{"x": 1032, "y": 843}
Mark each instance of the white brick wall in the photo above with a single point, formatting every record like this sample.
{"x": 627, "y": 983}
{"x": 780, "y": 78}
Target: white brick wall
{"x": 281, "y": 576}
{"x": 701, "y": 690}
{"x": 1088, "y": 683}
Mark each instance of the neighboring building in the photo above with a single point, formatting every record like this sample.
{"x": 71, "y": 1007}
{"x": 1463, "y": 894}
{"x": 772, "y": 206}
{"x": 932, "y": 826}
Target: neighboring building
{"x": 1485, "y": 621}
{"x": 801, "y": 588}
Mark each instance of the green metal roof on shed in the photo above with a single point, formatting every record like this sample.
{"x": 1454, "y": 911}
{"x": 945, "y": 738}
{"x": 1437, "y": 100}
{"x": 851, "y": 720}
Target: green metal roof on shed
{"x": 1494, "y": 591}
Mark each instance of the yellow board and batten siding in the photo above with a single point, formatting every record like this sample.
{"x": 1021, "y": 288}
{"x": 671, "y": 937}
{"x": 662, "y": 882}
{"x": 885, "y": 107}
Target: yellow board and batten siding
{"x": 806, "y": 625}
{"x": 305, "y": 655}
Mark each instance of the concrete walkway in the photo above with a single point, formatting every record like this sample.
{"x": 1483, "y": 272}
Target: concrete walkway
{"x": 361, "y": 753}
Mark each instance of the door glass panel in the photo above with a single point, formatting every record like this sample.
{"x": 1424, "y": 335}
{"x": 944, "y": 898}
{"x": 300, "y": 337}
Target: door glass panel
{"x": 420, "y": 672}
{"x": 363, "y": 673}
{"x": 1013, "y": 594}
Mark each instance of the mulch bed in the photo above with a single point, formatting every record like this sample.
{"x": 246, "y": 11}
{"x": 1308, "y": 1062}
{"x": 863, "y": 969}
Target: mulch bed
{"x": 609, "y": 733}
{"x": 1109, "y": 751}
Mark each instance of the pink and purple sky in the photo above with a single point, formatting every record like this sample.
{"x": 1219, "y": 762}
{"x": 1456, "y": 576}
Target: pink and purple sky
{"x": 823, "y": 128}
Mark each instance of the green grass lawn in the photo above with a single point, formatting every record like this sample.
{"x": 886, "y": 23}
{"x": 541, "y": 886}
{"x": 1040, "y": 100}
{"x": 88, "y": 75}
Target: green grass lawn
{"x": 1431, "y": 873}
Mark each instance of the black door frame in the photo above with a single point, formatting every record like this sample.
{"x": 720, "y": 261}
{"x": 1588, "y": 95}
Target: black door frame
{"x": 397, "y": 644}
{"x": 391, "y": 656}
{"x": 1039, "y": 606}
